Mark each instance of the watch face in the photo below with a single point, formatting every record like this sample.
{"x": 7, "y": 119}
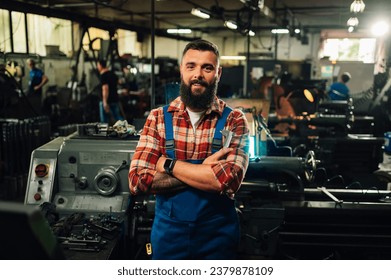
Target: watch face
{"x": 167, "y": 165}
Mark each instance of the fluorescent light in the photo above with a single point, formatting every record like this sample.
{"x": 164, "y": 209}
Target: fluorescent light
{"x": 251, "y": 33}
{"x": 232, "y": 57}
{"x": 231, "y": 24}
{"x": 178, "y": 31}
{"x": 199, "y": 13}
{"x": 280, "y": 31}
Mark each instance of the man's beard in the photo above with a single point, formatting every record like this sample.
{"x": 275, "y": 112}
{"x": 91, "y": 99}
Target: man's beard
{"x": 198, "y": 100}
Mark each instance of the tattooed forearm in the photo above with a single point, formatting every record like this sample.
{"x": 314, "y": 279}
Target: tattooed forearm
{"x": 164, "y": 183}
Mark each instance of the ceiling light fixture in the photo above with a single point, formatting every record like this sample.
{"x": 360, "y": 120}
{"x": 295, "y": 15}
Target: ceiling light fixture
{"x": 357, "y": 6}
{"x": 280, "y": 31}
{"x": 353, "y": 21}
{"x": 178, "y": 31}
{"x": 233, "y": 57}
{"x": 200, "y": 13}
{"x": 231, "y": 24}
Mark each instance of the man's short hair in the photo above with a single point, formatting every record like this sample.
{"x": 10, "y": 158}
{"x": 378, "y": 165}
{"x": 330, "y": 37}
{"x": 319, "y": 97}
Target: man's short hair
{"x": 31, "y": 61}
{"x": 345, "y": 77}
{"x": 202, "y": 45}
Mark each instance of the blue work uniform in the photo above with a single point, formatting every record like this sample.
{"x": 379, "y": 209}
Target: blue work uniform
{"x": 194, "y": 224}
{"x": 339, "y": 91}
{"x": 35, "y": 79}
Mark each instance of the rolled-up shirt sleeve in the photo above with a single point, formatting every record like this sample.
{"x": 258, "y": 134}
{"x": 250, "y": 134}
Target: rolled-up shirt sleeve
{"x": 143, "y": 165}
{"x": 231, "y": 173}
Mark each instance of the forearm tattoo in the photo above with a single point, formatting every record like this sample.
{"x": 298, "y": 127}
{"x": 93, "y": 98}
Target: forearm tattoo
{"x": 164, "y": 183}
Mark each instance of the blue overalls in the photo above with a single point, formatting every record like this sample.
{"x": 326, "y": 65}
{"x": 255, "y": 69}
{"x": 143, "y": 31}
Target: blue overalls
{"x": 194, "y": 224}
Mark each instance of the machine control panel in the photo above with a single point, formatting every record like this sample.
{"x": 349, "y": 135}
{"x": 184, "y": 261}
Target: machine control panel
{"x": 41, "y": 181}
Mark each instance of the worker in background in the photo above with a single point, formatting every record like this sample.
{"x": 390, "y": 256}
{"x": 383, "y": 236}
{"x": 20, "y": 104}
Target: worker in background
{"x": 37, "y": 78}
{"x": 109, "y": 106}
{"x": 180, "y": 158}
{"x": 339, "y": 90}
{"x": 277, "y": 74}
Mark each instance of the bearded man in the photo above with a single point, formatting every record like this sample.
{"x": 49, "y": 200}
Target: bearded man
{"x": 181, "y": 159}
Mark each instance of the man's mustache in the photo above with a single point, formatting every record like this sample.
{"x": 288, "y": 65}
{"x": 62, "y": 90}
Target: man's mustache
{"x": 201, "y": 82}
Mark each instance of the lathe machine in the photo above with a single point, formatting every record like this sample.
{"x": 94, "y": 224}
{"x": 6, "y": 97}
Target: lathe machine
{"x": 80, "y": 182}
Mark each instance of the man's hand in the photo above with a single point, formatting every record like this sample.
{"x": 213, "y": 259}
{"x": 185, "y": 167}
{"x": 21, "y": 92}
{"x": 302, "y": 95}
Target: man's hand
{"x": 160, "y": 164}
{"x": 106, "y": 107}
{"x": 217, "y": 157}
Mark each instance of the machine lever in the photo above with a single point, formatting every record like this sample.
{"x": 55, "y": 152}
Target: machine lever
{"x": 325, "y": 191}
{"x": 124, "y": 164}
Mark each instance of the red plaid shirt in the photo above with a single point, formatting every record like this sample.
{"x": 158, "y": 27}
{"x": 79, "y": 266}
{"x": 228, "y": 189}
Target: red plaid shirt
{"x": 191, "y": 145}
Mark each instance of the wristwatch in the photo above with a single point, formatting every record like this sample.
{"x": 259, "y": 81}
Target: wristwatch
{"x": 169, "y": 165}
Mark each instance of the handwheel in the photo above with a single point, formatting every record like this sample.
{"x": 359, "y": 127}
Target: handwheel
{"x": 310, "y": 166}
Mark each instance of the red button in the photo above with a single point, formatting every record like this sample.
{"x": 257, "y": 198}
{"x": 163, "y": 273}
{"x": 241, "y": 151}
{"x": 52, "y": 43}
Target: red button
{"x": 41, "y": 170}
{"x": 37, "y": 196}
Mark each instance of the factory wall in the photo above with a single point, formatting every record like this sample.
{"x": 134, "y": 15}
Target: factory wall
{"x": 235, "y": 44}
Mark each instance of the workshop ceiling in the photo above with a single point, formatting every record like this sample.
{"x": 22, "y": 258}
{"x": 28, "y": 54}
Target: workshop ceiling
{"x": 312, "y": 15}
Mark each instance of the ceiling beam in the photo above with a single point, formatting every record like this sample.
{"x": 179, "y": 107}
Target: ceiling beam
{"x": 23, "y": 7}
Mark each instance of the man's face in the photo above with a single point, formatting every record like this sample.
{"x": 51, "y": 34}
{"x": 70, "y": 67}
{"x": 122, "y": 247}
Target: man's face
{"x": 200, "y": 74}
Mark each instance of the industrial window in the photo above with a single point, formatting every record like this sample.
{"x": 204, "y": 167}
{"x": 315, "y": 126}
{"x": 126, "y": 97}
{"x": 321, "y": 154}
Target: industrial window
{"x": 19, "y": 32}
{"x": 49, "y": 36}
{"x": 42, "y": 32}
{"x": 127, "y": 42}
{"x": 352, "y": 49}
{"x": 5, "y": 42}
{"x": 92, "y": 39}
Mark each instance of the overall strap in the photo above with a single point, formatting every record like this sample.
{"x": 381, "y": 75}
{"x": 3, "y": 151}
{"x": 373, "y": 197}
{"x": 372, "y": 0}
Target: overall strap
{"x": 217, "y": 139}
{"x": 170, "y": 147}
